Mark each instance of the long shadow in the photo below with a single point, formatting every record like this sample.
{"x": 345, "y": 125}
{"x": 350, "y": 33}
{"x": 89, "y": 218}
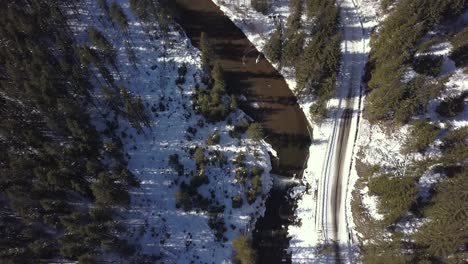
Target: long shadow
{"x": 249, "y": 73}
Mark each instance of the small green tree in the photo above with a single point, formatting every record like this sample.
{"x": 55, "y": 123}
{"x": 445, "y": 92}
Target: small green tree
{"x": 422, "y": 134}
{"x": 255, "y": 131}
{"x": 244, "y": 251}
{"x": 218, "y": 78}
{"x": 118, "y": 14}
{"x": 199, "y": 156}
{"x": 207, "y": 53}
{"x": 233, "y": 103}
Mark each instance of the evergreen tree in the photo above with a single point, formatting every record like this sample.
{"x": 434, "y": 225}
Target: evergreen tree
{"x": 274, "y": 46}
{"x": 207, "y": 53}
{"x": 255, "y": 131}
{"x": 244, "y": 252}
{"x": 118, "y": 14}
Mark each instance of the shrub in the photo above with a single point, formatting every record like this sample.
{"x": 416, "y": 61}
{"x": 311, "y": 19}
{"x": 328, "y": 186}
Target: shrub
{"x": 244, "y": 251}
{"x": 422, "y": 134}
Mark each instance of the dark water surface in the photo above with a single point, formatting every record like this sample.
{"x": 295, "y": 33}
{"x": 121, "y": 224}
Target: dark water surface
{"x": 278, "y": 112}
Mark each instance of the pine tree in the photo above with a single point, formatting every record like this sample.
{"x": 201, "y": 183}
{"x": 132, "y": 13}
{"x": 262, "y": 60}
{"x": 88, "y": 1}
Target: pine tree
{"x": 118, "y": 14}
{"x": 244, "y": 252}
{"x": 207, "y": 53}
{"x": 255, "y": 131}
{"x": 274, "y": 47}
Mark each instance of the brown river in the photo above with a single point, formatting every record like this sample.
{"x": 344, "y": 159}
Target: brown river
{"x": 269, "y": 101}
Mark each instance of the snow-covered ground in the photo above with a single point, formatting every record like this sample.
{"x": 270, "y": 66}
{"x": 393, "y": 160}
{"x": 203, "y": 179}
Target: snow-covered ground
{"x": 382, "y": 146}
{"x": 315, "y": 220}
{"x": 155, "y": 225}
{"x": 377, "y": 144}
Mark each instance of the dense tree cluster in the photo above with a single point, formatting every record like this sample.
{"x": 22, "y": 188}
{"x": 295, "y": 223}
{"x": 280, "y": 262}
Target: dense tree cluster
{"x": 213, "y": 102}
{"x": 316, "y": 62}
{"x": 393, "y": 51}
{"x": 57, "y": 193}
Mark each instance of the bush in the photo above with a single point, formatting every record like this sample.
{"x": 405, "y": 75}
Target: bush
{"x": 422, "y": 134}
{"x": 244, "y": 251}
{"x": 428, "y": 64}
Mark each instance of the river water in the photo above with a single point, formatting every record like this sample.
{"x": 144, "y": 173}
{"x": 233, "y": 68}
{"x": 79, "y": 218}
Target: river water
{"x": 269, "y": 101}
